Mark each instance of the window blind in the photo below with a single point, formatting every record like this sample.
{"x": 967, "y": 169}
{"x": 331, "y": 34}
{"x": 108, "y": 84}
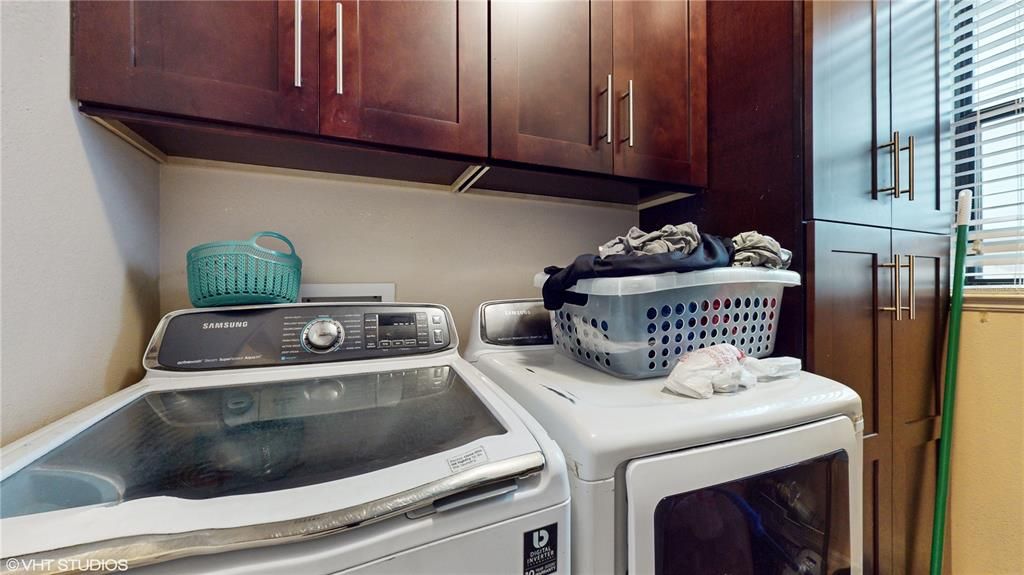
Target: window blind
{"x": 988, "y": 135}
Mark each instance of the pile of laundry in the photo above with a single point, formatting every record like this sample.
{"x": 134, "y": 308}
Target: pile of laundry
{"x": 723, "y": 368}
{"x": 679, "y": 248}
{"x": 748, "y": 249}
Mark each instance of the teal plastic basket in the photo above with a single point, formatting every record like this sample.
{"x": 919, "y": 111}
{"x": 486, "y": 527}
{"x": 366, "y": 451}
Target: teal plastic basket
{"x": 243, "y": 273}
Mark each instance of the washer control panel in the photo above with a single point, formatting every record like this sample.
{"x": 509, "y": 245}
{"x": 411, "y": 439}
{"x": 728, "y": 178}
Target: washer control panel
{"x": 294, "y": 334}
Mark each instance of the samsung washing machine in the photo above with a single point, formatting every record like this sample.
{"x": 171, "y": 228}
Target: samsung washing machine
{"x": 762, "y": 482}
{"x": 320, "y": 438}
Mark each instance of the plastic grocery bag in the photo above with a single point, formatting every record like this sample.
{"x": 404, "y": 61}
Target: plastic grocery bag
{"x": 771, "y": 368}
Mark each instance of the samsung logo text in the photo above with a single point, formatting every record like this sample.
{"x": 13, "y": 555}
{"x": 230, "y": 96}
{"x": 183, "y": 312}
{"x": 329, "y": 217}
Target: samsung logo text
{"x": 225, "y": 324}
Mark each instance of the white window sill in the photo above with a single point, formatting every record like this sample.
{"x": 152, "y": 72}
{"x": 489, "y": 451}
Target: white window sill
{"x": 1008, "y": 300}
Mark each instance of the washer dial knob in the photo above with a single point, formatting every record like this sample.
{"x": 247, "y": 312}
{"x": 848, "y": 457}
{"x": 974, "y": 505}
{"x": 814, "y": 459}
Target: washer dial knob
{"x": 323, "y": 335}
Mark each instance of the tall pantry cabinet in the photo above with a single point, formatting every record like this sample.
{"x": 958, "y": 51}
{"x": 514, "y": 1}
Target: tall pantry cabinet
{"x": 828, "y": 130}
{"x": 878, "y": 210}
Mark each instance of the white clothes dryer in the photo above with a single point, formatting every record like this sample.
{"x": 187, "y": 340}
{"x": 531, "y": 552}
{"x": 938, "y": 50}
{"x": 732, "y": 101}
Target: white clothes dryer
{"x": 762, "y": 482}
{"x": 319, "y": 438}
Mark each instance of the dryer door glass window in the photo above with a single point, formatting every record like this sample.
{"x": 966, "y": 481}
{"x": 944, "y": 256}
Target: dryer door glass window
{"x": 788, "y": 521}
{"x": 213, "y": 442}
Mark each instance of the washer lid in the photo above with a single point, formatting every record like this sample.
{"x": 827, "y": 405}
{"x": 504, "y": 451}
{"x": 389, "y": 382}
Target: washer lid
{"x": 168, "y": 472}
{"x": 601, "y": 421}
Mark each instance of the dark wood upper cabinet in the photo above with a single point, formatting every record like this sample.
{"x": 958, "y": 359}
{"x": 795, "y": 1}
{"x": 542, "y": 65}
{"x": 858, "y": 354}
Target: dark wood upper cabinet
{"x": 411, "y": 73}
{"x": 550, "y": 69}
{"x": 660, "y": 83}
{"x": 560, "y": 87}
{"x": 226, "y": 61}
{"x": 414, "y": 77}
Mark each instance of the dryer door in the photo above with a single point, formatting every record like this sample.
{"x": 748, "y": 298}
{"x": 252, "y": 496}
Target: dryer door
{"x": 783, "y": 503}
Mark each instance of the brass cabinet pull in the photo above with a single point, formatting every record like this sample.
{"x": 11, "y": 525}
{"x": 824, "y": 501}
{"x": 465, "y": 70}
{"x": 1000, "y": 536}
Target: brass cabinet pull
{"x": 298, "y": 43}
{"x": 607, "y": 135}
{"x": 339, "y": 37}
{"x": 894, "y": 144}
{"x": 897, "y": 269}
{"x": 629, "y": 94}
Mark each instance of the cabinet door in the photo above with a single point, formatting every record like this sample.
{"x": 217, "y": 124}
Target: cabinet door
{"x": 918, "y": 344}
{"x": 550, "y": 68}
{"x": 410, "y": 73}
{"x": 240, "y": 62}
{"x": 850, "y": 341}
{"x": 661, "y": 126}
{"x": 849, "y": 98}
{"x": 916, "y": 114}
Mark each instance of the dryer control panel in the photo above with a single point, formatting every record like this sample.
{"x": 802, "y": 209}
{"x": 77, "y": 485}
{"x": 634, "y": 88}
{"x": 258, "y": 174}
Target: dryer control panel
{"x": 263, "y": 336}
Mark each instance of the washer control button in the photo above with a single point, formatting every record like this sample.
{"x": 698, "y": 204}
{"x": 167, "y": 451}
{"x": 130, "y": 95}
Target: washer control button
{"x": 438, "y": 336}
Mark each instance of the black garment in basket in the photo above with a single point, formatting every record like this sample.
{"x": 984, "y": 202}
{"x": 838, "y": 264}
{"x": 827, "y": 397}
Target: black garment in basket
{"x": 712, "y": 252}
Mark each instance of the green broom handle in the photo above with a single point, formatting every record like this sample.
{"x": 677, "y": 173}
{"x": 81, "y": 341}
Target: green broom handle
{"x": 949, "y": 392}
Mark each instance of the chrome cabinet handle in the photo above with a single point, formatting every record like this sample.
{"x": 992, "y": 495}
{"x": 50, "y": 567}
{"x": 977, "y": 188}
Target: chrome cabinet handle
{"x": 897, "y": 296}
{"x": 911, "y": 261}
{"x": 897, "y": 148}
{"x": 894, "y": 144}
{"x": 339, "y": 36}
{"x": 607, "y": 117}
{"x": 607, "y": 92}
{"x": 910, "y": 153}
{"x": 298, "y": 43}
{"x": 897, "y": 269}
{"x": 629, "y": 95}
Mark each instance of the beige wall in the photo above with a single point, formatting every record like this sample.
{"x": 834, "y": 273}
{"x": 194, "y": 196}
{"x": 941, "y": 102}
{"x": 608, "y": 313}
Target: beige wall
{"x": 987, "y": 491}
{"x": 79, "y": 217}
{"x": 438, "y": 247}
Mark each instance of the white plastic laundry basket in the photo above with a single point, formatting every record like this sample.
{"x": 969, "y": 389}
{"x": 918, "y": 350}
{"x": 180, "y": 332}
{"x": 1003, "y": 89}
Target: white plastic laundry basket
{"x": 638, "y": 326}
